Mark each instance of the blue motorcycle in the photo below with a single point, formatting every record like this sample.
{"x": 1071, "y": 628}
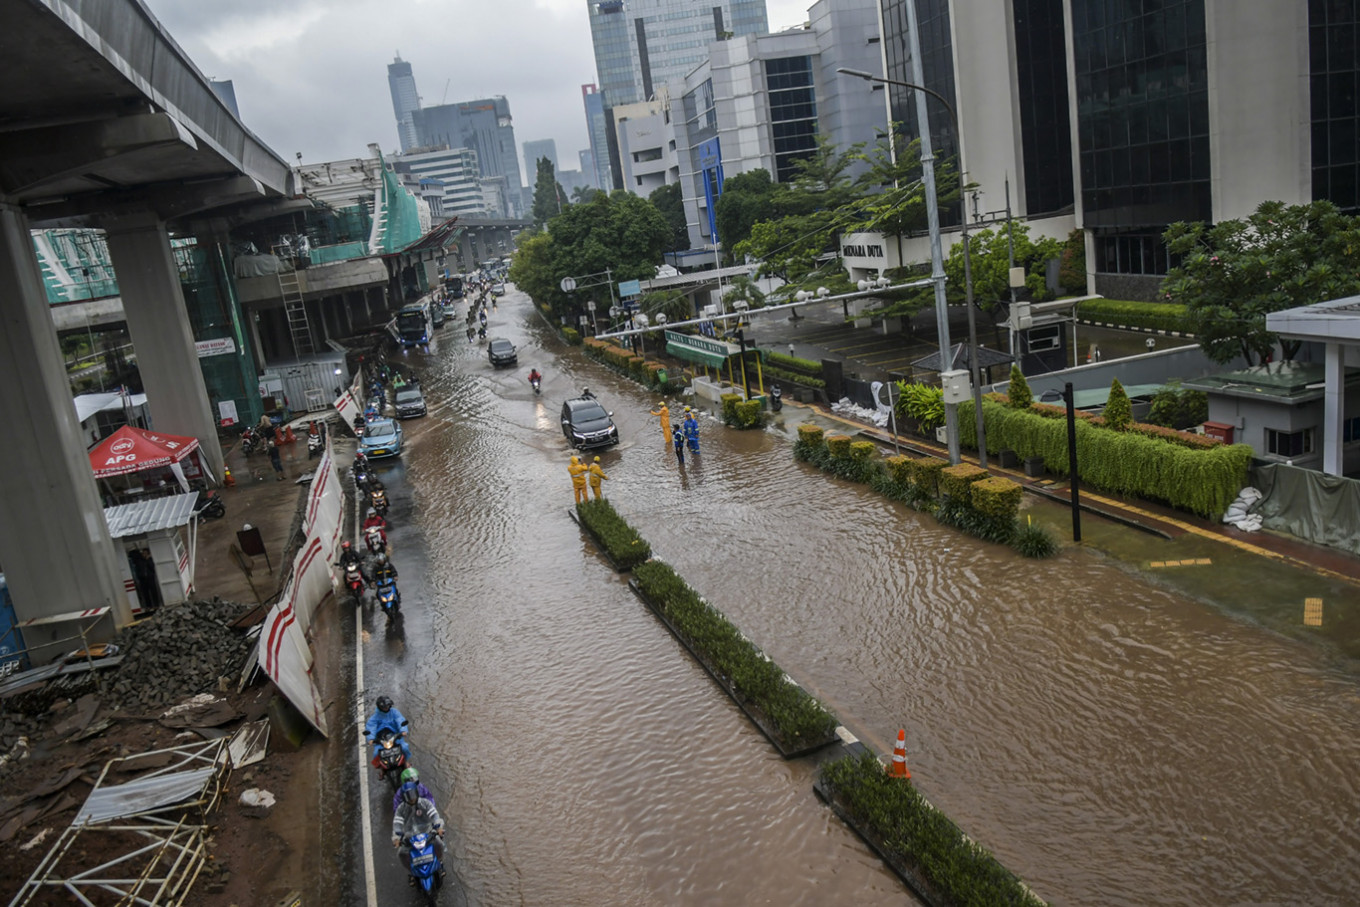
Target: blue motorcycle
{"x": 426, "y": 868}
{"x": 389, "y": 599}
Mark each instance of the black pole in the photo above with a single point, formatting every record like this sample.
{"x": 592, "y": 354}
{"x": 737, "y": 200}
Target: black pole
{"x": 1072, "y": 461}
{"x": 745, "y": 376}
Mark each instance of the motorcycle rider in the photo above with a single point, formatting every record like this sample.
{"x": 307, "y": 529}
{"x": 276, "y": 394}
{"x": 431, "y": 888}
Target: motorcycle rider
{"x": 386, "y": 716}
{"x": 348, "y": 557}
{"x": 416, "y": 814}
{"x": 372, "y": 519}
{"x": 413, "y": 776}
{"x": 534, "y": 376}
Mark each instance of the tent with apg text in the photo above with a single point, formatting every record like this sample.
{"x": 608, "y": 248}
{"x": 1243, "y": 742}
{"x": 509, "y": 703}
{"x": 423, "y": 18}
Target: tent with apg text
{"x": 130, "y": 450}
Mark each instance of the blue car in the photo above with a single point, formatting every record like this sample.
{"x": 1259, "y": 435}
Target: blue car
{"x": 382, "y": 438}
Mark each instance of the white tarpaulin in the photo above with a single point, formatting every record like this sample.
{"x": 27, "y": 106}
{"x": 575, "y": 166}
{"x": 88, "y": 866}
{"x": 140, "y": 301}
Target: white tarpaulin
{"x": 283, "y": 651}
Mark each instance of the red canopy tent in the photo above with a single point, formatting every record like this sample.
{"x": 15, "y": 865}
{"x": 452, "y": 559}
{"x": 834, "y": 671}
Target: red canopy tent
{"x": 131, "y": 450}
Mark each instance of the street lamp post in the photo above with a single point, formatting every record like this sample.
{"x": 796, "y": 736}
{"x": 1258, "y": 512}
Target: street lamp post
{"x": 936, "y": 248}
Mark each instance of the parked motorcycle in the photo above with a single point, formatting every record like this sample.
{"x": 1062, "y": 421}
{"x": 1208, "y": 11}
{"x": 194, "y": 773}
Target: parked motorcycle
{"x": 426, "y": 867}
{"x": 388, "y": 757}
{"x": 376, "y": 540}
{"x": 776, "y": 398}
{"x": 389, "y": 599}
{"x": 315, "y": 444}
{"x": 354, "y": 582}
{"x": 209, "y": 506}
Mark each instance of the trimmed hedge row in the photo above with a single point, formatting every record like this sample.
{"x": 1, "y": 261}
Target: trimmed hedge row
{"x": 626, "y": 549}
{"x": 1203, "y": 481}
{"x": 1156, "y": 316}
{"x": 914, "y": 833}
{"x": 772, "y": 371}
{"x": 646, "y": 372}
{"x": 793, "y": 364}
{"x": 798, "y": 718}
{"x": 738, "y": 412}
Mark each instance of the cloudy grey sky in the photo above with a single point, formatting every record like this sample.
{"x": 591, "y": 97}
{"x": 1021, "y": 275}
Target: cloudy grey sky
{"x": 311, "y": 75}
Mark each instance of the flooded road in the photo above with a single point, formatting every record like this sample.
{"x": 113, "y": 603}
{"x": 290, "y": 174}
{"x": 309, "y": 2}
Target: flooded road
{"x": 1110, "y": 741}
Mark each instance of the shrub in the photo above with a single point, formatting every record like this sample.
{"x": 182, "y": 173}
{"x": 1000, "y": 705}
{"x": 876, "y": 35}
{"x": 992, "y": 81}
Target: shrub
{"x": 1034, "y": 541}
{"x": 922, "y": 402}
{"x": 955, "y": 481}
{"x": 1018, "y": 391}
{"x": 1118, "y": 413}
{"x": 620, "y": 541}
{"x": 572, "y": 336}
{"x": 795, "y": 715}
{"x": 1174, "y": 407}
{"x": 917, "y": 835}
{"x": 1072, "y": 267}
{"x": 1155, "y": 316}
{"x": 996, "y": 497}
{"x": 838, "y": 445}
{"x": 793, "y": 364}
{"x": 810, "y": 446}
{"x": 961, "y": 515}
{"x": 739, "y": 412}
{"x": 899, "y": 469}
{"x": 926, "y": 473}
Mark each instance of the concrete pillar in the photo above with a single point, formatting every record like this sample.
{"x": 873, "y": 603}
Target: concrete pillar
{"x": 1333, "y": 410}
{"x": 54, "y": 542}
{"x": 159, "y": 324}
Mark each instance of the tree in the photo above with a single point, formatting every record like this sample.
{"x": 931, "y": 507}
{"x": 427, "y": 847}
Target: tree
{"x": 549, "y": 199}
{"x": 582, "y": 194}
{"x": 1118, "y": 411}
{"x": 1018, "y": 395}
{"x": 674, "y": 304}
{"x": 746, "y": 199}
{"x": 1234, "y": 273}
{"x": 670, "y": 202}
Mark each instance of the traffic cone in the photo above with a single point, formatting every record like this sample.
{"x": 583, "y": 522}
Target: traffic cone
{"x": 288, "y": 437}
{"x": 899, "y": 761}
{"x": 227, "y": 480}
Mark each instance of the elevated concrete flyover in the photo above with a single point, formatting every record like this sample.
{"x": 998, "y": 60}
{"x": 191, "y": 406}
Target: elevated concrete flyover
{"x": 104, "y": 122}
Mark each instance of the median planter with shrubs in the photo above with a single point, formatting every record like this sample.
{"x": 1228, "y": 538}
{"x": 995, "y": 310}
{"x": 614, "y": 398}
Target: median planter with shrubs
{"x": 926, "y": 850}
{"x": 620, "y": 542}
{"x": 738, "y": 412}
{"x": 793, "y": 721}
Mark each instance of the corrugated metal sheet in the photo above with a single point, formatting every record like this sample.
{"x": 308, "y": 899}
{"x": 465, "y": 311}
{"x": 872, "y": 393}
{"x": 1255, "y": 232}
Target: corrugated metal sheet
{"x": 149, "y": 516}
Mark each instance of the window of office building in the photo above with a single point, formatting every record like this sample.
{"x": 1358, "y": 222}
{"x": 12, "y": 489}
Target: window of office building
{"x": 1132, "y": 252}
{"x": 1289, "y": 443}
{"x": 1142, "y": 85}
{"x": 937, "y": 66}
{"x": 1333, "y": 42}
{"x": 1045, "y": 133}
{"x": 793, "y": 111}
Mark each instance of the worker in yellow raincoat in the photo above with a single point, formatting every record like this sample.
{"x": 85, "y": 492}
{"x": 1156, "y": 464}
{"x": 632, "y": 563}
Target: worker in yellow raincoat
{"x": 596, "y": 474}
{"x": 665, "y": 415}
{"x": 578, "y": 479}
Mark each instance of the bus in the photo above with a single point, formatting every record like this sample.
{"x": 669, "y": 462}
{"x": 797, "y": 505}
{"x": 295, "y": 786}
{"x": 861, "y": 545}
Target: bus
{"x": 415, "y": 324}
{"x": 454, "y": 284}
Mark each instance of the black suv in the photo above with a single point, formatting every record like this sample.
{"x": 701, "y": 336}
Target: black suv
{"x": 502, "y": 352}
{"x": 586, "y": 424}
{"x": 410, "y": 402}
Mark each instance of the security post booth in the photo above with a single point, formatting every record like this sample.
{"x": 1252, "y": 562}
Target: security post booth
{"x": 159, "y": 566}
{"x": 707, "y": 352}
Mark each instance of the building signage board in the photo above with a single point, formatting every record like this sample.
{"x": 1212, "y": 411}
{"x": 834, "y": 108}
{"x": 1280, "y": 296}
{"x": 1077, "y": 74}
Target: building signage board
{"x": 220, "y": 346}
{"x": 868, "y": 252}
{"x": 716, "y": 347}
{"x": 630, "y": 288}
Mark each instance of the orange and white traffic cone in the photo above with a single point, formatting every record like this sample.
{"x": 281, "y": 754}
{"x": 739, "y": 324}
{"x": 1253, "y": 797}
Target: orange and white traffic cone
{"x": 899, "y": 761}
{"x": 227, "y": 480}
{"x": 288, "y": 436}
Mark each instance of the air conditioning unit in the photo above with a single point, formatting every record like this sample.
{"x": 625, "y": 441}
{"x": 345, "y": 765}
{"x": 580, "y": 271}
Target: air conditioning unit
{"x": 1021, "y": 319}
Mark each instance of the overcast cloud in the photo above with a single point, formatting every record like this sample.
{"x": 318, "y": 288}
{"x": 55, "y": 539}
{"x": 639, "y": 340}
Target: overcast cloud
{"x": 311, "y": 75}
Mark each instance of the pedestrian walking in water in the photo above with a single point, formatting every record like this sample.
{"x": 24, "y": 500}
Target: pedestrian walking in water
{"x": 678, "y": 439}
{"x": 596, "y": 475}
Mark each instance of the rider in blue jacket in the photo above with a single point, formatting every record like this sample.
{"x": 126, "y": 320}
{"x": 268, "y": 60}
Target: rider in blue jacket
{"x": 387, "y": 716}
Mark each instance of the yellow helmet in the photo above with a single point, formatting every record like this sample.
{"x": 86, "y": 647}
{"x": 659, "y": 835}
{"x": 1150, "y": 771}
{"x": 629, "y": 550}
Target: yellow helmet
{"x": 597, "y": 459}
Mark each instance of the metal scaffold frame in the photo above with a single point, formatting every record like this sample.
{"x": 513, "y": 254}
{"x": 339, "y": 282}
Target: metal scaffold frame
{"x": 167, "y": 805}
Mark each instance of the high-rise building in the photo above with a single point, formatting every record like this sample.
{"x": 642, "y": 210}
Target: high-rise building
{"x": 597, "y": 127}
{"x": 587, "y": 159}
{"x": 1122, "y": 119}
{"x": 485, "y": 126}
{"x": 643, "y": 44}
{"x": 405, "y": 101}
{"x": 457, "y": 172}
{"x": 535, "y": 150}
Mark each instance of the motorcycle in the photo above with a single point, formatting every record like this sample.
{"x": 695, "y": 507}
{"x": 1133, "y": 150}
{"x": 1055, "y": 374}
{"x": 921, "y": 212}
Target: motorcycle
{"x": 389, "y": 599}
{"x": 426, "y": 868}
{"x": 251, "y": 442}
{"x": 354, "y": 582}
{"x": 359, "y": 423}
{"x": 314, "y": 445}
{"x": 388, "y": 757}
{"x": 776, "y": 398}
{"x": 378, "y": 501}
{"x": 361, "y": 474}
{"x": 536, "y": 382}
{"x": 376, "y": 540}
{"x": 209, "y": 506}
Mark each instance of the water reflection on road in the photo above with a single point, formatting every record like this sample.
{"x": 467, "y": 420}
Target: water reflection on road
{"x": 1111, "y": 742}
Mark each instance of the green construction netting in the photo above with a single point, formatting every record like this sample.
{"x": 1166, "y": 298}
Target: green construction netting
{"x": 323, "y": 255}
{"x": 400, "y": 214}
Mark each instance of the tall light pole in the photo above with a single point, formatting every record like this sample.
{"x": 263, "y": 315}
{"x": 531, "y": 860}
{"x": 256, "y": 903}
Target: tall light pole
{"x": 951, "y": 412}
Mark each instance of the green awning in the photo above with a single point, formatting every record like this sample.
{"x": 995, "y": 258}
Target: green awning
{"x": 690, "y": 354}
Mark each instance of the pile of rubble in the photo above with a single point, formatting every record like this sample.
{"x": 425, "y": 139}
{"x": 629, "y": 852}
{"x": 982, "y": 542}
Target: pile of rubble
{"x": 182, "y": 650}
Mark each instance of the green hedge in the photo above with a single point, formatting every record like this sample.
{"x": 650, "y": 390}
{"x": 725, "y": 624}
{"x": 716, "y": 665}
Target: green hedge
{"x": 921, "y": 837}
{"x": 572, "y": 336}
{"x": 774, "y": 372}
{"x": 620, "y": 541}
{"x": 793, "y": 364}
{"x": 1156, "y": 316}
{"x": 1202, "y": 481}
{"x": 799, "y": 719}
{"x": 739, "y": 412}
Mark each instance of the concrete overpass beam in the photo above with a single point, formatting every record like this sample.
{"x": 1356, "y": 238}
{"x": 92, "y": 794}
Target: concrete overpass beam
{"x": 159, "y": 324}
{"x": 54, "y": 542}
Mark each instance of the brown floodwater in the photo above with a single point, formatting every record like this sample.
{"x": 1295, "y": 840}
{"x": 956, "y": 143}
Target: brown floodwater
{"x": 1112, "y": 741}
